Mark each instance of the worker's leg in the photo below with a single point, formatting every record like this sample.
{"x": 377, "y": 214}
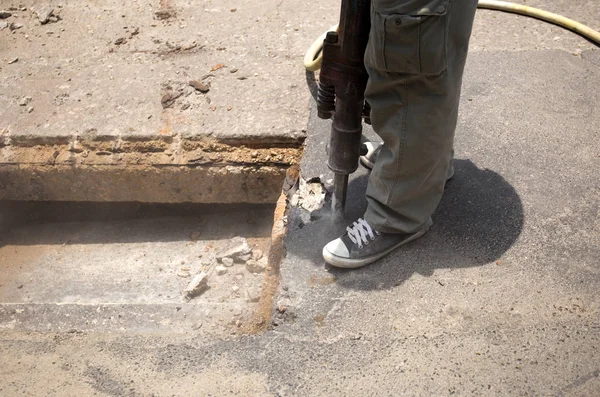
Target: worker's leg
{"x": 415, "y": 58}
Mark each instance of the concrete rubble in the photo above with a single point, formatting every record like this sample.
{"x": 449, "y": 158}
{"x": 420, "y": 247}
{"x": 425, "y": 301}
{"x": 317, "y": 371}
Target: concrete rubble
{"x": 258, "y": 266}
{"x": 197, "y": 286}
{"x": 221, "y": 270}
{"x": 236, "y": 249}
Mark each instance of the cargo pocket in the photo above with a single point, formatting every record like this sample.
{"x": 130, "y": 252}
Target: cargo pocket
{"x": 412, "y": 43}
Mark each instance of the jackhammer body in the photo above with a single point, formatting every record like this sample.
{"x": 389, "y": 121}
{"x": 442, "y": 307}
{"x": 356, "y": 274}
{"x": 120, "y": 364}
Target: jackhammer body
{"x": 342, "y": 83}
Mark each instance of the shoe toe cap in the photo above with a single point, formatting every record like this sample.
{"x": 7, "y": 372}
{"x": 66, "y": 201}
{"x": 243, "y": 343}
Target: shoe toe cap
{"x": 337, "y": 248}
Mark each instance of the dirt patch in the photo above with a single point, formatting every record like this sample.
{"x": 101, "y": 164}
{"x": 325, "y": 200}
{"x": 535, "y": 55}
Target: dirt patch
{"x": 262, "y": 316}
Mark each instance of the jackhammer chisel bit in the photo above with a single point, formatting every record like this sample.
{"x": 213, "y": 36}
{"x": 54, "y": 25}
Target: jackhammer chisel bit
{"x": 342, "y": 83}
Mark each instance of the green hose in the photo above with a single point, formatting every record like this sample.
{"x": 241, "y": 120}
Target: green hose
{"x": 313, "y": 57}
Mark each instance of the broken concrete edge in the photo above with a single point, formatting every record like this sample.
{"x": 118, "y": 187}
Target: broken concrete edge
{"x": 94, "y": 149}
{"x": 262, "y": 316}
{"x": 142, "y": 183}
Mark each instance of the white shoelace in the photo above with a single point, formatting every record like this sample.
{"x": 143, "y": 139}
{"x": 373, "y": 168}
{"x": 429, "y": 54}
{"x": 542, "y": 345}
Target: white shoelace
{"x": 361, "y": 232}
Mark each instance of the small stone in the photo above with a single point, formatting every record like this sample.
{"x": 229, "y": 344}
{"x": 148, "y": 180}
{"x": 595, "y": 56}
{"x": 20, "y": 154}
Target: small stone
{"x": 252, "y": 295}
{"x": 255, "y": 266}
{"x": 164, "y": 14}
{"x": 25, "y": 101}
{"x": 235, "y": 288}
{"x": 200, "y": 86}
{"x": 15, "y": 26}
{"x": 227, "y": 262}
{"x": 254, "y": 154}
{"x": 197, "y": 326}
{"x": 221, "y": 270}
{"x": 257, "y": 254}
{"x": 233, "y": 70}
{"x": 242, "y": 78}
{"x": 168, "y": 99}
{"x": 5, "y": 14}
{"x": 46, "y": 15}
{"x": 134, "y": 33}
{"x": 184, "y": 272}
{"x": 14, "y": 60}
{"x": 30, "y": 109}
{"x": 185, "y": 106}
{"x": 282, "y": 306}
{"x": 245, "y": 258}
{"x": 120, "y": 40}
{"x": 197, "y": 286}
{"x": 236, "y": 247}
{"x": 3, "y": 25}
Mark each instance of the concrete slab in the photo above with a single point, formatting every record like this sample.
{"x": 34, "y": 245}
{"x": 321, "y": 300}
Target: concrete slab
{"x": 79, "y": 109}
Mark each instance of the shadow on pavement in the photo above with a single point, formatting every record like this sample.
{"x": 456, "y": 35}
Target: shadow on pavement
{"x": 479, "y": 218}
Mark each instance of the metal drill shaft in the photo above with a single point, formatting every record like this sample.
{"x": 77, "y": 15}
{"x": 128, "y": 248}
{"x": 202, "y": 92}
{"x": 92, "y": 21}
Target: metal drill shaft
{"x": 338, "y": 199}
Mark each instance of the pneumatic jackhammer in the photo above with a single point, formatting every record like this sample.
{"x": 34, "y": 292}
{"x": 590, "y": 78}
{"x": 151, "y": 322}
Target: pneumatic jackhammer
{"x": 342, "y": 83}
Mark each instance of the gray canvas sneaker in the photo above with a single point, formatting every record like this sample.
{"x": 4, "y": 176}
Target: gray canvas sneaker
{"x": 362, "y": 245}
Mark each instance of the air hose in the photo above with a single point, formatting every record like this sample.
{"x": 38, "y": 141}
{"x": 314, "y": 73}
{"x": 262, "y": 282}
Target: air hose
{"x": 313, "y": 57}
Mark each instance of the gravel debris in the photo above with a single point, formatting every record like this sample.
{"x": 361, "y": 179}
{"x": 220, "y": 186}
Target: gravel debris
{"x": 257, "y": 254}
{"x": 221, "y": 270}
{"x": 164, "y": 14}
{"x": 200, "y": 86}
{"x": 47, "y": 15}
{"x": 197, "y": 286}
{"x": 252, "y": 295}
{"x": 256, "y": 266}
{"x": 168, "y": 99}
{"x": 227, "y": 262}
{"x": 25, "y": 101}
{"x": 236, "y": 248}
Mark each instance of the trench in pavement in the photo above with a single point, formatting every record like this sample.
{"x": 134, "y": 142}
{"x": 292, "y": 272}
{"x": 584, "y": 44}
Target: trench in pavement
{"x": 123, "y": 266}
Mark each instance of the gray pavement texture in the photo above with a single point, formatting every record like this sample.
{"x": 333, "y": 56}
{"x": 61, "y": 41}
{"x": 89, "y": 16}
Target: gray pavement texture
{"x": 500, "y": 298}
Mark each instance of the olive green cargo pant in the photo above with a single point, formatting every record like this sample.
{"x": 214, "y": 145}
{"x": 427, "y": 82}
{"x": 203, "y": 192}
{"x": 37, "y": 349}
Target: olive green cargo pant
{"x": 415, "y": 58}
